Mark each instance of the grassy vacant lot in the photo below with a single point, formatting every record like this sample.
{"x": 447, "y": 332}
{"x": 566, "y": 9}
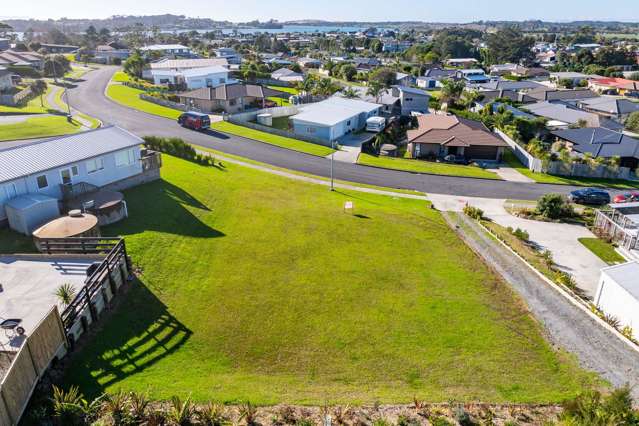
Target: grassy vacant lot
{"x": 38, "y": 127}
{"x": 281, "y": 141}
{"x": 129, "y": 96}
{"x": 258, "y": 287}
{"x": 513, "y": 162}
{"x": 605, "y": 251}
{"x": 425, "y": 166}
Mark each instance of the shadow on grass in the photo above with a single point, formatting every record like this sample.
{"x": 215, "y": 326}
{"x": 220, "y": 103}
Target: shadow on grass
{"x": 161, "y": 206}
{"x": 139, "y": 333}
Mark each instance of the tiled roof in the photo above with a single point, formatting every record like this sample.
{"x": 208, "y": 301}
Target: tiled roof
{"x": 452, "y": 131}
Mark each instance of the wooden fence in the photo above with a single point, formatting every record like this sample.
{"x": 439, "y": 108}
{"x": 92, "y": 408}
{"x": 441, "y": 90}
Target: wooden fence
{"x": 33, "y": 358}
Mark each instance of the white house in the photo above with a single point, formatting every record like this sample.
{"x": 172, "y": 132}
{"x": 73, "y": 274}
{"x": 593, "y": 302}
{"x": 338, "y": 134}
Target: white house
{"x": 179, "y": 65}
{"x": 194, "y": 78}
{"x": 618, "y": 294}
{"x": 168, "y": 49}
{"x": 284, "y": 74}
{"x": 98, "y": 157}
{"x": 333, "y": 118}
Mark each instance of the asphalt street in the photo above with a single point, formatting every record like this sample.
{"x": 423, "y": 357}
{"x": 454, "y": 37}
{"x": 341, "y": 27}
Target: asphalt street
{"x": 89, "y": 97}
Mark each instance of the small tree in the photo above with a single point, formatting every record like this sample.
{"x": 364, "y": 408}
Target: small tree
{"x": 553, "y": 206}
{"x": 39, "y": 88}
{"x": 632, "y": 123}
{"x": 349, "y": 93}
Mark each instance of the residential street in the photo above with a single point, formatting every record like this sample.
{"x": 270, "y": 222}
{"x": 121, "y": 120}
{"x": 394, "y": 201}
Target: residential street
{"x": 567, "y": 326}
{"x": 89, "y": 98}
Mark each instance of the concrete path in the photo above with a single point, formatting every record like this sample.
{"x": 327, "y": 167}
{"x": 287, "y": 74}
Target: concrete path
{"x": 570, "y": 326}
{"x": 347, "y": 154}
{"x": 13, "y": 119}
{"x": 561, "y": 239}
{"x": 512, "y": 175}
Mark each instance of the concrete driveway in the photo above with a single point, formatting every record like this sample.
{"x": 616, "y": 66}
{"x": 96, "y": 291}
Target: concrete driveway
{"x": 560, "y": 239}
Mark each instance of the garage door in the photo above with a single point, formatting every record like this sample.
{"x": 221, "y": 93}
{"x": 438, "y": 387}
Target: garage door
{"x": 481, "y": 152}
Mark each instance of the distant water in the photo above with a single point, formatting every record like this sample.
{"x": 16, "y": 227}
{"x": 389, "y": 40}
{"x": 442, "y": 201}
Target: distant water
{"x": 305, "y": 29}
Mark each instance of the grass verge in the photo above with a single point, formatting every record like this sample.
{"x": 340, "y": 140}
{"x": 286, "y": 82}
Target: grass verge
{"x": 270, "y": 306}
{"x": 281, "y": 141}
{"x": 513, "y": 162}
{"x": 129, "y": 97}
{"x": 604, "y": 251}
{"x": 420, "y": 166}
{"x": 38, "y": 127}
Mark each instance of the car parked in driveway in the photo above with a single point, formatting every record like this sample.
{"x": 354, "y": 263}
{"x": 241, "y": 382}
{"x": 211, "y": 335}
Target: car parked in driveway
{"x": 194, "y": 120}
{"x": 593, "y": 196}
{"x": 628, "y": 197}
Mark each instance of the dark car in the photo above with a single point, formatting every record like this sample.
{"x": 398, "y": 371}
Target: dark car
{"x": 592, "y": 196}
{"x": 194, "y": 120}
{"x": 454, "y": 159}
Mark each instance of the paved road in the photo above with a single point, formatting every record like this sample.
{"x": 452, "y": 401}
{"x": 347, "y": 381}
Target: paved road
{"x": 89, "y": 98}
{"x": 596, "y": 348}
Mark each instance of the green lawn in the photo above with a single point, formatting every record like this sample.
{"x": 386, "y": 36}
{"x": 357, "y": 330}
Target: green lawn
{"x": 290, "y": 90}
{"x": 128, "y": 96}
{"x": 281, "y": 141}
{"x": 605, "y": 251}
{"x": 513, "y": 162}
{"x": 32, "y": 107}
{"x": 61, "y": 104}
{"x": 422, "y": 166}
{"x": 121, "y": 77}
{"x": 38, "y": 127}
{"x": 256, "y": 287}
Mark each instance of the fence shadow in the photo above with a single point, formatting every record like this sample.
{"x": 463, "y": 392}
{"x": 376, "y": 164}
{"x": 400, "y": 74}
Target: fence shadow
{"x": 137, "y": 334}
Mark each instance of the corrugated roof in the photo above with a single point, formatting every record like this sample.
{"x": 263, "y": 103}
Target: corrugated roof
{"x": 25, "y": 160}
{"x": 195, "y": 72}
{"x": 188, "y": 63}
{"x": 333, "y": 110}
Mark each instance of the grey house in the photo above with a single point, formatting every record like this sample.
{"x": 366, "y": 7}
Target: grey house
{"x": 607, "y": 106}
{"x": 398, "y": 100}
{"x": 601, "y": 142}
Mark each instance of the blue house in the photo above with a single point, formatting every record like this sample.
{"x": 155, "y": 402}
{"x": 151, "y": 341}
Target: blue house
{"x": 333, "y": 118}
{"x": 101, "y": 157}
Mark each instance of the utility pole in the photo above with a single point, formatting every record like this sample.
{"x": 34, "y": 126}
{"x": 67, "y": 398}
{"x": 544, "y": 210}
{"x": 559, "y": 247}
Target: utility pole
{"x": 332, "y": 159}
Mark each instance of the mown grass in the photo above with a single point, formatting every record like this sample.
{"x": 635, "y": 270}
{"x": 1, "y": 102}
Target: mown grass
{"x": 604, "y": 251}
{"x": 38, "y": 127}
{"x": 513, "y": 162}
{"x": 121, "y": 77}
{"x": 61, "y": 104}
{"x": 257, "y": 287}
{"x": 129, "y": 97}
{"x": 421, "y": 166}
{"x": 281, "y": 141}
{"x": 32, "y": 107}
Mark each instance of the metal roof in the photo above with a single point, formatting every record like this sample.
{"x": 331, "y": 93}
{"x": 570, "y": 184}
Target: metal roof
{"x": 333, "y": 110}
{"x": 36, "y": 157}
{"x": 625, "y": 275}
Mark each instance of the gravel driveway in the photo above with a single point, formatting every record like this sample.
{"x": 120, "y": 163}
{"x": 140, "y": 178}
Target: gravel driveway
{"x": 568, "y": 327}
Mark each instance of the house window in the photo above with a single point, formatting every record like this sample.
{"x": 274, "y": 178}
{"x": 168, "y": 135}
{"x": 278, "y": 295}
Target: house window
{"x": 10, "y": 191}
{"x": 348, "y": 123}
{"x": 310, "y": 130}
{"x": 42, "y": 181}
{"x": 74, "y": 170}
{"x": 232, "y": 102}
{"x": 95, "y": 165}
{"x": 65, "y": 176}
{"x": 124, "y": 158}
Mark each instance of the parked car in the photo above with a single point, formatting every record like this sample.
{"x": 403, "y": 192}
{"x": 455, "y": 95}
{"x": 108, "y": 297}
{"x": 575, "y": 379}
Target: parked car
{"x": 194, "y": 120}
{"x": 629, "y": 197}
{"x": 592, "y": 196}
{"x": 452, "y": 159}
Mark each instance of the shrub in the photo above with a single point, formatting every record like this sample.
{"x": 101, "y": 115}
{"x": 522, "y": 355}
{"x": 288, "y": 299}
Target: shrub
{"x": 473, "y": 212}
{"x": 546, "y": 255}
{"x": 248, "y": 413}
{"x": 440, "y": 421}
{"x": 462, "y": 417}
{"x": 591, "y": 408}
{"x": 213, "y": 415}
{"x": 520, "y": 234}
{"x": 554, "y": 206}
{"x": 178, "y": 148}
{"x": 181, "y": 413}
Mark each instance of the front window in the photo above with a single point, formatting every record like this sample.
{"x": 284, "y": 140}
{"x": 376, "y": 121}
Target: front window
{"x": 42, "y": 181}
{"x": 125, "y": 158}
{"x": 95, "y": 165}
{"x": 74, "y": 170}
{"x": 65, "y": 176}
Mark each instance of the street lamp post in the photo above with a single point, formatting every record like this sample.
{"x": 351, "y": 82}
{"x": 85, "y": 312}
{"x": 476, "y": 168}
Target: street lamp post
{"x": 332, "y": 158}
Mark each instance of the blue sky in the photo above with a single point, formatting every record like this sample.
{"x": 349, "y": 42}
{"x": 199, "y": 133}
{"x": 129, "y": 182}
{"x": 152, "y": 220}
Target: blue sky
{"x": 360, "y": 10}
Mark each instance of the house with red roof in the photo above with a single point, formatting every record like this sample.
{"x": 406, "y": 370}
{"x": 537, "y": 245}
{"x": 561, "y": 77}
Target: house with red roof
{"x": 614, "y": 86}
{"x": 438, "y": 136}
